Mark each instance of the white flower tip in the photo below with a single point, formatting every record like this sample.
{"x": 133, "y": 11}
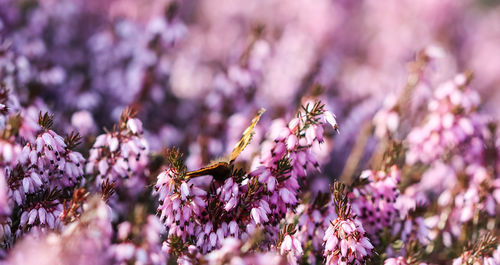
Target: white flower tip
{"x": 330, "y": 118}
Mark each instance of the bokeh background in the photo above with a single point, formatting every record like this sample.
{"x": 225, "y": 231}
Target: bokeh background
{"x": 197, "y": 70}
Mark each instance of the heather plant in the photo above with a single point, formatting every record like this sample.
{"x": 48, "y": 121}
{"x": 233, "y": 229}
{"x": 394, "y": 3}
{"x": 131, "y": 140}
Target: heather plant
{"x": 118, "y": 121}
{"x": 207, "y": 215}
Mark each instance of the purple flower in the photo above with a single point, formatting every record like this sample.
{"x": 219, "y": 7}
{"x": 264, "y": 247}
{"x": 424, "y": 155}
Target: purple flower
{"x": 375, "y": 202}
{"x": 120, "y": 156}
{"x": 144, "y": 248}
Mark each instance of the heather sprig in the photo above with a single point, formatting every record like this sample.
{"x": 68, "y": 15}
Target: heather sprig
{"x": 176, "y": 162}
{"x": 46, "y": 120}
{"x": 479, "y": 250}
{"x": 72, "y": 140}
{"x": 310, "y": 114}
{"x": 340, "y": 200}
{"x": 73, "y": 208}
{"x": 107, "y": 189}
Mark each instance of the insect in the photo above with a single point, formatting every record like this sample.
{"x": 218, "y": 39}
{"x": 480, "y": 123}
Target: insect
{"x": 221, "y": 170}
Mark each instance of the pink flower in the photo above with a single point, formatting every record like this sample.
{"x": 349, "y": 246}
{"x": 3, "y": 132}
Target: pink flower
{"x": 345, "y": 242}
{"x": 291, "y": 248}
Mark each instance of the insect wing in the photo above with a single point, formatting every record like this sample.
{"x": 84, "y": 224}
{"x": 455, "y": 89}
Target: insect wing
{"x": 221, "y": 168}
{"x": 246, "y": 137}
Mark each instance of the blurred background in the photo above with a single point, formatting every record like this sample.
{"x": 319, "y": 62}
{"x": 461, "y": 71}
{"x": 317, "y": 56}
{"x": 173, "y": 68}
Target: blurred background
{"x": 198, "y": 70}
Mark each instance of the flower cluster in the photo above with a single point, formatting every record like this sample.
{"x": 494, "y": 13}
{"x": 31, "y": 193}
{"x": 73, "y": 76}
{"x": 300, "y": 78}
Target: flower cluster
{"x": 461, "y": 182}
{"x": 233, "y": 251}
{"x": 81, "y": 242}
{"x": 451, "y": 122}
{"x": 46, "y": 171}
{"x": 345, "y": 239}
{"x": 313, "y": 220}
{"x": 139, "y": 243}
{"x": 286, "y": 161}
{"x": 50, "y": 161}
{"x": 180, "y": 204}
{"x": 375, "y": 202}
{"x": 120, "y": 155}
{"x": 207, "y": 217}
